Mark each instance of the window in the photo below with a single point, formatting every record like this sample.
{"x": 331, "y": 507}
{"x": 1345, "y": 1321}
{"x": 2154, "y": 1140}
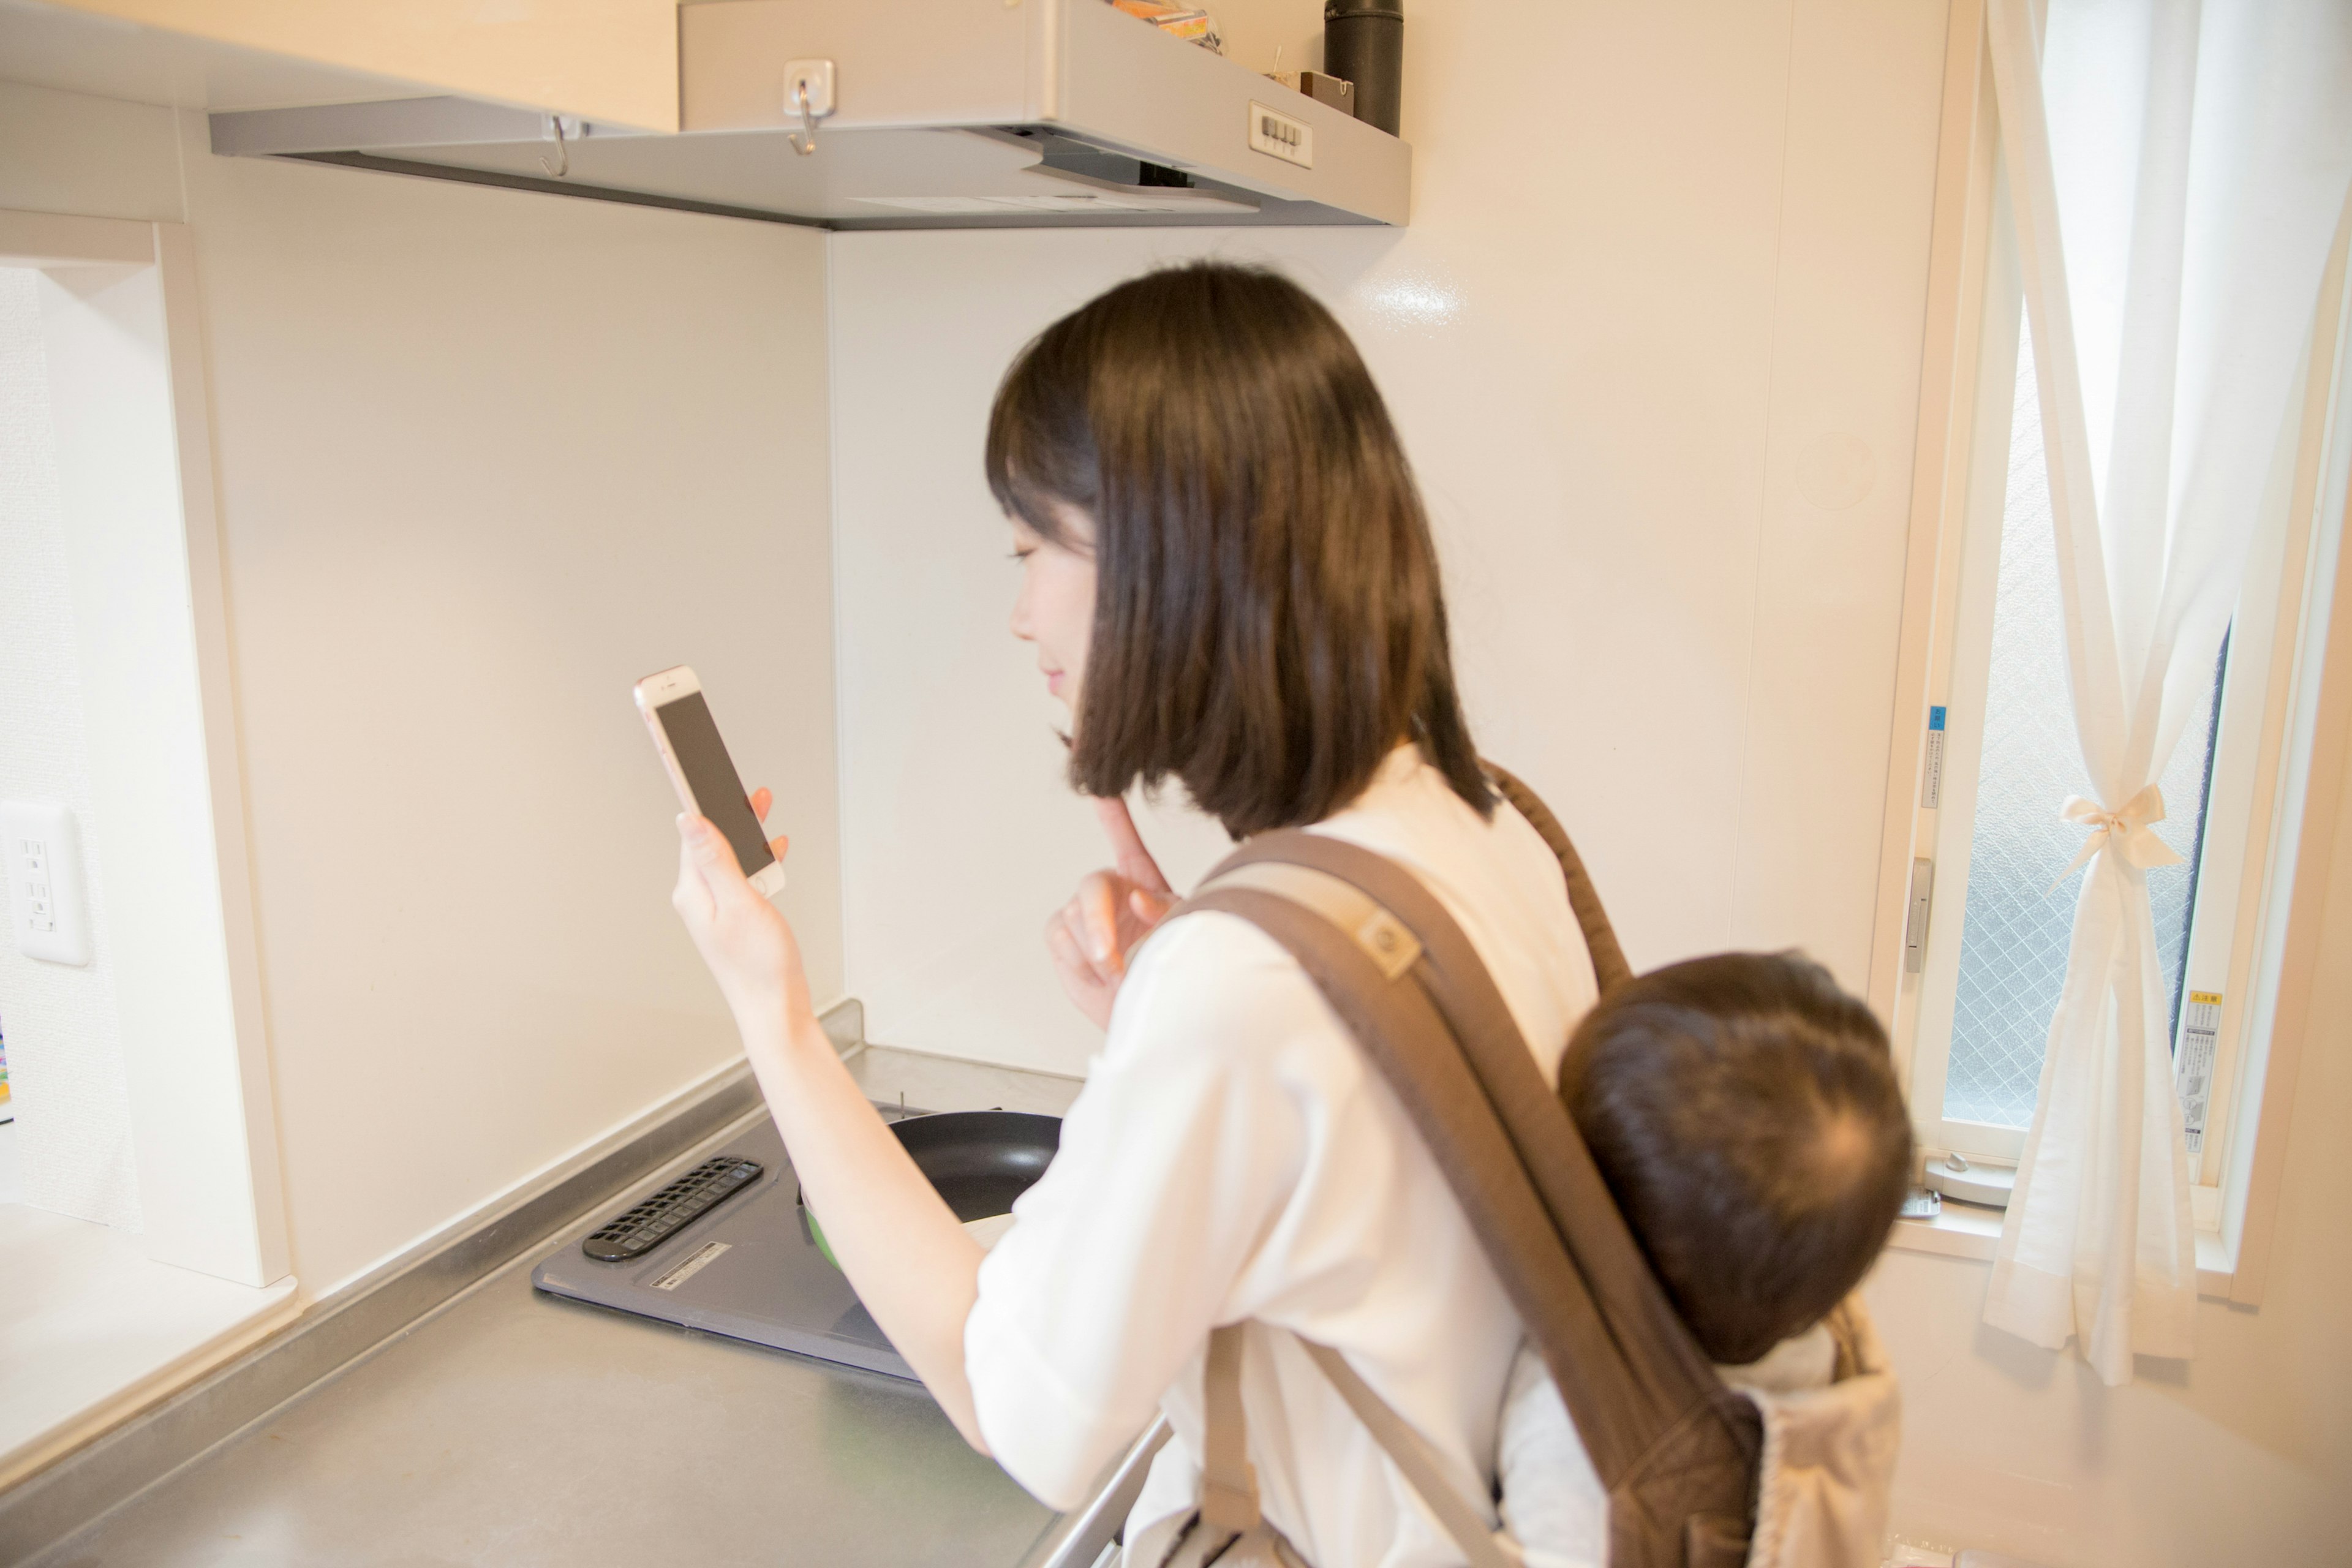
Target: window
{"x": 1973, "y": 1020}
{"x": 2019, "y": 914}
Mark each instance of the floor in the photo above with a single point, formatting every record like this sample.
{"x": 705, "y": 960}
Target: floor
{"x": 510, "y": 1429}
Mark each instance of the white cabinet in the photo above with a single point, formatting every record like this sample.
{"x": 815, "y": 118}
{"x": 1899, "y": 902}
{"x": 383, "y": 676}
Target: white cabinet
{"x": 610, "y": 59}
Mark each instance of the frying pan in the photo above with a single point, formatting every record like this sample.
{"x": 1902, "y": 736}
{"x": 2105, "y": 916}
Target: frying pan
{"x": 979, "y": 1161}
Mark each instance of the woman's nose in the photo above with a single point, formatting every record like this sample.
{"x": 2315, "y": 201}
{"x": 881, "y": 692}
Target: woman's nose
{"x": 1021, "y": 627}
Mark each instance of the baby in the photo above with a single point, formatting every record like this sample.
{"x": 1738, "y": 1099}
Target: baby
{"x": 1744, "y": 1112}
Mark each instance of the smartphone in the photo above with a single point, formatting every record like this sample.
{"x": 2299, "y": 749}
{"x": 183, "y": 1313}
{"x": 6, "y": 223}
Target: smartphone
{"x": 703, "y": 774}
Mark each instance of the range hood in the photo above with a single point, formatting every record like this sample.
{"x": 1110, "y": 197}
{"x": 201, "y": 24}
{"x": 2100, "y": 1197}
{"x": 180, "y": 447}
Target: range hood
{"x": 857, "y": 114}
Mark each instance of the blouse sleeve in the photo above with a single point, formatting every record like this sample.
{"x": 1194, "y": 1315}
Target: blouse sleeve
{"x": 1176, "y": 1158}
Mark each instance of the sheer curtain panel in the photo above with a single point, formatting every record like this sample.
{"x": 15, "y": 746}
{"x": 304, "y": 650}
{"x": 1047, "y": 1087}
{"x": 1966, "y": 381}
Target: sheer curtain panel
{"x": 2177, "y": 170}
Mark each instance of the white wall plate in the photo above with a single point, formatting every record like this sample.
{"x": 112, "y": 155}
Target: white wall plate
{"x": 48, "y": 906}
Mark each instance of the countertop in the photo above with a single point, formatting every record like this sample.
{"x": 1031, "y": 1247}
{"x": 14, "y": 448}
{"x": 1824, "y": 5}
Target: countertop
{"x": 511, "y": 1429}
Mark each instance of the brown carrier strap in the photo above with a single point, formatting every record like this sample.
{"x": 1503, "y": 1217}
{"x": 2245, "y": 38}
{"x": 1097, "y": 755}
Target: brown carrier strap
{"x": 1228, "y": 1480}
{"x": 1609, "y": 965}
{"x": 1229, "y": 1504}
{"x": 1677, "y": 1449}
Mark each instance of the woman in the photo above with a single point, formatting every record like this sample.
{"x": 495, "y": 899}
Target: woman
{"x": 1229, "y": 579}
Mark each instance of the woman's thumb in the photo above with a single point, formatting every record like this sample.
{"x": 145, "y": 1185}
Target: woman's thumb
{"x": 703, "y": 842}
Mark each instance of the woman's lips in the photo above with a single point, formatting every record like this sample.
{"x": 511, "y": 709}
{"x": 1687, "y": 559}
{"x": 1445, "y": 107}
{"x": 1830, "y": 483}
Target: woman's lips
{"x": 1054, "y": 681}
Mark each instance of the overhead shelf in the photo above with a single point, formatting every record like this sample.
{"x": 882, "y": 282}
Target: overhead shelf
{"x": 946, "y": 114}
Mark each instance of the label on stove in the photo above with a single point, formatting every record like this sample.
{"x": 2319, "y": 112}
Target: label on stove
{"x": 695, "y": 1262}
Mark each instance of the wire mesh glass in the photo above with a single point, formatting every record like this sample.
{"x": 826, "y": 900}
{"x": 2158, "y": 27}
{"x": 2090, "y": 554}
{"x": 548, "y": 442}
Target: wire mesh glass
{"x": 2015, "y": 926}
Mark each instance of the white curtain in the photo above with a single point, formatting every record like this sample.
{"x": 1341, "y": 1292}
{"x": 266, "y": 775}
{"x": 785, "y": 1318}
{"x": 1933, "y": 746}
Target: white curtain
{"x": 2193, "y": 159}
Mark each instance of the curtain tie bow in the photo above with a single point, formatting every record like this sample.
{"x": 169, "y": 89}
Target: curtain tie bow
{"x": 2129, "y": 833}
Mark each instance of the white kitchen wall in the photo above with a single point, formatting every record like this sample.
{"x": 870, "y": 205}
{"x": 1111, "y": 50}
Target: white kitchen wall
{"x": 75, "y": 1152}
{"x": 1653, "y": 342}
{"x": 483, "y": 459}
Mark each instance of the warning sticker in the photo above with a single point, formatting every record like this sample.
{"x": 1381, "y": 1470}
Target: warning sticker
{"x": 1931, "y": 780}
{"x": 2200, "y": 1028}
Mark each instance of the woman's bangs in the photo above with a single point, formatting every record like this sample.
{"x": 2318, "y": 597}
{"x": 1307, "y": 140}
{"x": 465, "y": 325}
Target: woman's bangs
{"x": 1040, "y": 456}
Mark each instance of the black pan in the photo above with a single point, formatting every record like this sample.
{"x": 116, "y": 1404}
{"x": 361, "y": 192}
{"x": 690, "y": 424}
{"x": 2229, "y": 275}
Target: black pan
{"x": 979, "y": 1160}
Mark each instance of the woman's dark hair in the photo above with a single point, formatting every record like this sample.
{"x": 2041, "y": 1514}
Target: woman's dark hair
{"x": 1268, "y": 621}
{"x": 1744, "y": 1112}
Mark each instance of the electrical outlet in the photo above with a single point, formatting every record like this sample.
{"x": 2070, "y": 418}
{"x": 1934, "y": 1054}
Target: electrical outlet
{"x": 40, "y": 855}
{"x": 1280, "y": 136}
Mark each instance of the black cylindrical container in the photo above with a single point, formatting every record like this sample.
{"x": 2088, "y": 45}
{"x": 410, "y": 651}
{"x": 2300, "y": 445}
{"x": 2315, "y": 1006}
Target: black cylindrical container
{"x": 1363, "y": 42}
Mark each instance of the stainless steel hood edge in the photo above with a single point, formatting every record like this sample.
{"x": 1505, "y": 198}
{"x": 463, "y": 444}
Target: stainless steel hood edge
{"x": 1059, "y": 94}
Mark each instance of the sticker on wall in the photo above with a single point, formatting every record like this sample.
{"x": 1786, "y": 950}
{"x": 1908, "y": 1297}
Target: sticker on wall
{"x": 2200, "y": 1028}
{"x": 1931, "y": 780}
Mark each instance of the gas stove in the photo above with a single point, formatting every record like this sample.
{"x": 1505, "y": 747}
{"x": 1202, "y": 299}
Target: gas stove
{"x": 746, "y": 1266}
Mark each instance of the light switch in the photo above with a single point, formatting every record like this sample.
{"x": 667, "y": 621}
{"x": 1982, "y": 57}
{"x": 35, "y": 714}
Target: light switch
{"x": 48, "y": 902}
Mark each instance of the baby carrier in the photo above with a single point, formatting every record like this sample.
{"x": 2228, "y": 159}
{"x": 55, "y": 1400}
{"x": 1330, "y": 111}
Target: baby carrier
{"x": 1697, "y": 1475}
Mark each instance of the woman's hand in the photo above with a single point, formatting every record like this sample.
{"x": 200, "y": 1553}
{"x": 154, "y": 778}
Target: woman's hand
{"x": 912, "y": 1264}
{"x": 1090, "y": 936}
{"x": 749, "y": 946}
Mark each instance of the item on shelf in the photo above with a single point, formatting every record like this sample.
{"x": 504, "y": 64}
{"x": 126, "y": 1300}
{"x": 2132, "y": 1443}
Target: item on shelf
{"x": 1186, "y": 22}
{"x": 1320, "y": 86}
{"x": 1363, "y": 42}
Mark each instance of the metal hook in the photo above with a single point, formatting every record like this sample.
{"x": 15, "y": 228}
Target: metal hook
{"x": 808, "y": 92}
{"x": 562, "y": 167}
{"x": 804, "y": 140}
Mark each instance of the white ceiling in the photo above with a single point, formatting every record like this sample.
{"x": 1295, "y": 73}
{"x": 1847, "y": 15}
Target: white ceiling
{"x": 56, "y": 47}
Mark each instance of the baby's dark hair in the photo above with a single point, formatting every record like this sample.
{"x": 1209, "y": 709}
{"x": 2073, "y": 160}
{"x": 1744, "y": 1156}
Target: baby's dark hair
{"x": 1744, "y": 1112}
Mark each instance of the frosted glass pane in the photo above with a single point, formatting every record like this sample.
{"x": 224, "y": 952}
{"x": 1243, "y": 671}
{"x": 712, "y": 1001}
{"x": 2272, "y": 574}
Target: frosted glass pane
{"x": 2015, "y": 927}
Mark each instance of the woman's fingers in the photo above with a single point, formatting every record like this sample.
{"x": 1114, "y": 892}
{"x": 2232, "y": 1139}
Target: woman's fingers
{"x": 762, "y": 799}
{"x": 1097, "y": 902}
{"x": 1089, "y": 988}
{"x": 691, "y": 896}
{"x": 748, "y": 944}
{"x": 708, "y": 861}
{"x": 710, "y": 848}
{"x": 1065, "y": 938}
{"x": 1133, "y": 859}
{"x": 1069, "y": 957}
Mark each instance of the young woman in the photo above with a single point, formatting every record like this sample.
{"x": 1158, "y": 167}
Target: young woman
{"x": 1229, "y": 579}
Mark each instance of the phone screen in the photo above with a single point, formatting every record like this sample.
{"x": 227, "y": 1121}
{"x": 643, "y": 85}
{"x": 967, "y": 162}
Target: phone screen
{"x": 710, "y": 773}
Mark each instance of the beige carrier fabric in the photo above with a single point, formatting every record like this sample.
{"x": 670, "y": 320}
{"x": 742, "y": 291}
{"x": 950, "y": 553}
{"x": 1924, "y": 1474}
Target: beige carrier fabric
{"x": 1829, "y": 1458}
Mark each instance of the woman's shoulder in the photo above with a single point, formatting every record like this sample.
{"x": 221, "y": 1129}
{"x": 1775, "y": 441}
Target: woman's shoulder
{"x": 1211, "y": 984}
{"x": 1206, "y": 961}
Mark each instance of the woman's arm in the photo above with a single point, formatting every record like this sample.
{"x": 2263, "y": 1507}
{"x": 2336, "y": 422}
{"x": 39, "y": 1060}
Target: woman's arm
{"x": 912, "y": 1264}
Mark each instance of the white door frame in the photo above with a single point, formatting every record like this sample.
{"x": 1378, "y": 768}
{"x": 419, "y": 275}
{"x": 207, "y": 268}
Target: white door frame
{"x": 122, "y": 324}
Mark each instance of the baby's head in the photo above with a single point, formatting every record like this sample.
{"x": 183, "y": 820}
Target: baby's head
{"x": 1744, "y": 1112}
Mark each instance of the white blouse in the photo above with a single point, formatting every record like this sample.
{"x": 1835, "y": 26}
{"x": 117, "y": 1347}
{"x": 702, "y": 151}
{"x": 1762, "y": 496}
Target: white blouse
{"x": 1234, "y": 1156}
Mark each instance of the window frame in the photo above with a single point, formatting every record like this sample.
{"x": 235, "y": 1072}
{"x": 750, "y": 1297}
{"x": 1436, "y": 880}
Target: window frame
{"x": 2280, "y": 754}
